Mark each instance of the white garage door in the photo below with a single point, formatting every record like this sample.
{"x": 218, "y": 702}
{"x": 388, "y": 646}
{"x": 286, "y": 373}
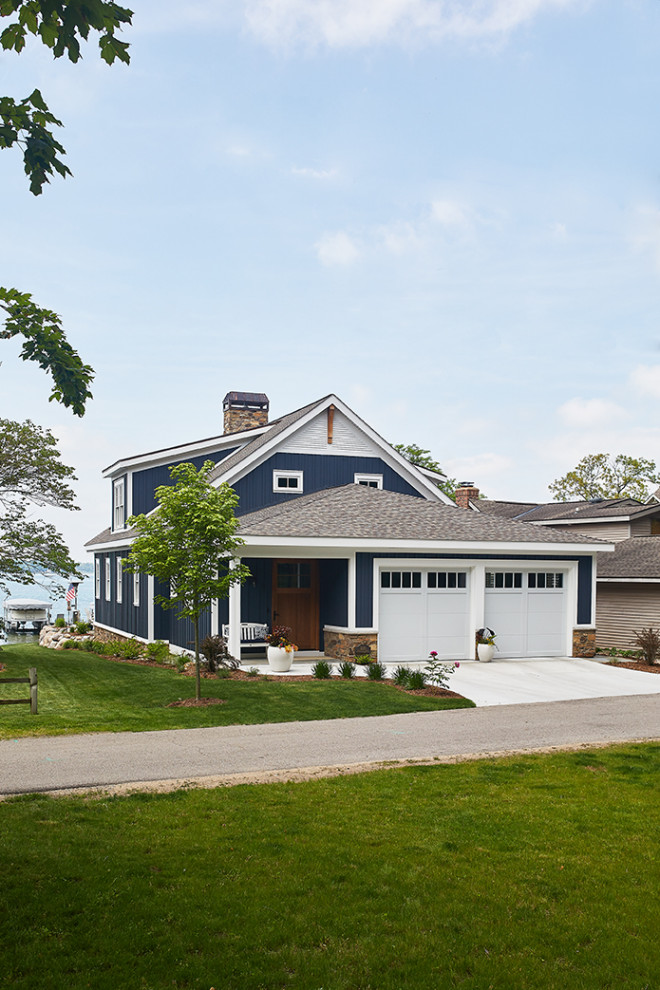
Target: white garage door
{"x": 420, "y": 611}
{"x": 527, "y": 611}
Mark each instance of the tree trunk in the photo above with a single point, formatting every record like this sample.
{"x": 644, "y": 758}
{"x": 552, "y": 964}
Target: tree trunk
{"x": 198, "y": 679}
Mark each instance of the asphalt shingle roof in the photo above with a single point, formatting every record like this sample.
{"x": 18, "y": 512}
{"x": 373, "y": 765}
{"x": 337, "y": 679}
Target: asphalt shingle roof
{"x": 551, "y": 511}
{"x": 638, "y": 557}
{"x": 357, "y": 512}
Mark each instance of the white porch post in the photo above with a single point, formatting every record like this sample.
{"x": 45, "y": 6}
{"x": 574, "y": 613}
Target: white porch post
{"x": 234, "y": 644}
{"x": 151, "y": 623}
{"x": 215, "y": 618}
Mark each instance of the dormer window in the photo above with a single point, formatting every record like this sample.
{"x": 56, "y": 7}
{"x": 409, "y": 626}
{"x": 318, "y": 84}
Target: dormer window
{"x": 369, "y": 480}
{"x": 119, "y": 517}
{"x": 288, "y": 482}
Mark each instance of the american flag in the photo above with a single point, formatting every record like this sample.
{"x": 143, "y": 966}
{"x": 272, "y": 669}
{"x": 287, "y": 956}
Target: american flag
{"x": 71, "y": 592}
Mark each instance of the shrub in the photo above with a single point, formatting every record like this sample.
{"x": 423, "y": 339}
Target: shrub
{"x": 129, "y": 649}
{"x": 438, "y": 672}
{"x": 72, "y": 644}
{"x": 416, "y": 680}
{"x": 60, "y": 622}
{"x": 159, "y": 651}
{"x": 253, "y": 672}
{"x": 376, "y": 671}
{"x": 322, "y": 670}
{"x": 363, "y": 659}
{"x": 214, "y": 649}
{"x": 82, "y": 628}
{"x": 347, "y": 669}
{"x": 401, "y": 675}
{"x": 648, "y": 641}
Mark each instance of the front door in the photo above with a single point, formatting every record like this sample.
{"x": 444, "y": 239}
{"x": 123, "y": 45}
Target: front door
{"x": 296, "y": 600}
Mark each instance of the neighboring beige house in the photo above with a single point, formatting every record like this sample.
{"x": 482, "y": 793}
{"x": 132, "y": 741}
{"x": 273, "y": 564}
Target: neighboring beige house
{"x": 628, "y": 580}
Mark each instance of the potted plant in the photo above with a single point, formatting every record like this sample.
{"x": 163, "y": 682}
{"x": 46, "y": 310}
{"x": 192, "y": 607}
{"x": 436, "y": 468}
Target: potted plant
{"x": 485, "y": 644}
{"x": 280, "y": 650}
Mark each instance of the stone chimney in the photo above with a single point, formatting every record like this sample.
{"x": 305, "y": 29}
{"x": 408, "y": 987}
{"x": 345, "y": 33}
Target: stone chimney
{"x": 245, "y": 410}
{"x": 466, "y": 493}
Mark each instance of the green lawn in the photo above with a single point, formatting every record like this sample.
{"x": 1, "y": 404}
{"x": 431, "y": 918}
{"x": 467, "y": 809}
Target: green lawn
{"x": 522, "y": 873}
{"x": 81, "y": 692}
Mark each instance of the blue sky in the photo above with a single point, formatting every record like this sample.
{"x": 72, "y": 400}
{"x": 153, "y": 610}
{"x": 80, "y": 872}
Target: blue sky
{"x": 448, "y": 213}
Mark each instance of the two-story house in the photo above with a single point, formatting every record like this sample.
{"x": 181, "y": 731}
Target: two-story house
{"x": 353, "y": 547}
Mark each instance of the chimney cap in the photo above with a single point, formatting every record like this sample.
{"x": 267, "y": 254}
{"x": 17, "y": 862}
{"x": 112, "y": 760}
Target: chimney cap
{"x": 245, "y": 400}
{"x": 466, "y": 484}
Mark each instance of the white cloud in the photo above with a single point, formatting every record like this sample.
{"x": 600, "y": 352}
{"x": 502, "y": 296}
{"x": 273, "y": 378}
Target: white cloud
{"x": 399, "y": 238}
{"x": 585, "y": 414}
{"x": 449, "y": 213}
{"x": 352, "y": 23}
{"x": 337, "y": 249}
{"x": 646, "y": 378}
{"x": 315, "y": 173}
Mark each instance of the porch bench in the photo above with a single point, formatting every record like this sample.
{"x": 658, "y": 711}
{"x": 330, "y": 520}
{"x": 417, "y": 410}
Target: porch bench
{"x": 253, "y": 635}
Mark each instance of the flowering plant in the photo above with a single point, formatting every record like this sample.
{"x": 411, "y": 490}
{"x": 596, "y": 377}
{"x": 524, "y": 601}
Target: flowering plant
{"x": 485, "y": 637}
{"x": 438, "y": 672}
{"x": 279, "y": 636}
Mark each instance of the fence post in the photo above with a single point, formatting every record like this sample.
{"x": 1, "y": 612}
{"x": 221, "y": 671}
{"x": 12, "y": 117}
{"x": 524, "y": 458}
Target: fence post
{"x": 33, "y": 690}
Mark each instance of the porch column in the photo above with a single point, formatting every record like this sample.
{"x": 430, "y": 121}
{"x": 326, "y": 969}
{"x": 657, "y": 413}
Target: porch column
{"x": 234, "y": 640}
{"x": 151, "y": 621}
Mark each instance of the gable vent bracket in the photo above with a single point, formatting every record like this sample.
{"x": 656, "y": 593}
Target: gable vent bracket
{"x": 331, "y": 419}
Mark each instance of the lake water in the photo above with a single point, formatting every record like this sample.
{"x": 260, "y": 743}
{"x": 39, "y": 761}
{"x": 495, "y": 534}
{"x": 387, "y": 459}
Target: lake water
{"x": 58, "y": 606}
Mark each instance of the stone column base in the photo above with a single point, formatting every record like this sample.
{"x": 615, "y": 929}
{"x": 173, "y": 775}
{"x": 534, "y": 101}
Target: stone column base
{"x": 584, "y": 643}
{"x": 348, "y": 645}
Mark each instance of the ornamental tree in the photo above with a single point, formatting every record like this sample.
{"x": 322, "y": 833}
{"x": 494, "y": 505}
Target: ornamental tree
{"x": 422, "y": 458}
{"x": 602, "y": 476}
{"x": 31, "y": 473}
{"x": 188, "y": 542}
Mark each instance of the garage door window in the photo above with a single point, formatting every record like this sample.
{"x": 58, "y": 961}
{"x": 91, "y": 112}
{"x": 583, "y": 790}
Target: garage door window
{"x": 441, "y": 580}
{"x": 504, "y": 579}
{"x": 401, "y": 579}
{"x": 543, "y": 579}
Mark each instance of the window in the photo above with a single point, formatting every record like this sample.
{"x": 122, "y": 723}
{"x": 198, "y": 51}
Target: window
{"x": 401, "y": 579}
{"x": 119, "y": 564}
{"x": 504, "y": 579}
{"x": 441, "y": 580}
{"x": 119, "y": 518}
{"x": 97, "y": 577}
{"x": 545, "y": 580}
{"x": 136, "y": 587}
{"x": 288, "y": 481}
{"x": 294, "y": 574}
{"x": 369, "y": 480}
{"x": 107, "y": 578}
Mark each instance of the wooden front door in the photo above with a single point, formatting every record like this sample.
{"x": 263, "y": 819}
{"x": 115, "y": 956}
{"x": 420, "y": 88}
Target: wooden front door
{"x": 296, "y": 600}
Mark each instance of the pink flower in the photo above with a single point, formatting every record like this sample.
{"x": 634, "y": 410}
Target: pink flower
{"x": 458, "y": 663}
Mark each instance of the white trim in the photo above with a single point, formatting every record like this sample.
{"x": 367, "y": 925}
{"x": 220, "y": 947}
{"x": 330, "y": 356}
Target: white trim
{"x": 286, "y": 489}
{"x": 151, "y": 619}
{"x": 136, "y": 589}
{"x": 119, "y": 578}
{"x": 351, "y": 629}
{"x": 97, "y": 579}
{"x": 129, "y": 495}
{"x": 108, "y": 579}
{"x": 118, "y": 486}
{"x": 297, "y": 544}
{"x": 234, "y": 638}
{"x": 627, "y": 580}
{"x": 366, "y": 479}
{"x": 196, "y": 448}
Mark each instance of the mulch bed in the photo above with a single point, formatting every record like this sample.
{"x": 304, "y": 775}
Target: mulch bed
{"x": 195, "y": 703}
{"x": 634, "y": 665}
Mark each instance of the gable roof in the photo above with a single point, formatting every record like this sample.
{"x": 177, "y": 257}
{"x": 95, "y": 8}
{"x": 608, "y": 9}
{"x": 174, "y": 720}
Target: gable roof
{"x": 353, "y": 512}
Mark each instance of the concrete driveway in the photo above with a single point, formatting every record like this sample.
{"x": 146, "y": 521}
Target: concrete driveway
{"x": 515, "y": 682}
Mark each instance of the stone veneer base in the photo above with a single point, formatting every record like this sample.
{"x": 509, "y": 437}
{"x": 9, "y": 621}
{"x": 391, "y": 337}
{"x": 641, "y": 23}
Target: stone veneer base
{"x": 584, "y": 643}
{"x": 348, "y": 645}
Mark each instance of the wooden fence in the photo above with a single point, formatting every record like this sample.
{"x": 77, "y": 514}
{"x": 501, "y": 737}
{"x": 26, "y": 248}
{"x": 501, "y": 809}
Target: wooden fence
{"x": 32, "y": 681}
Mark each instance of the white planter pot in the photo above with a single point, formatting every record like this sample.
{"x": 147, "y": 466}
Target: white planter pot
{"x": 279, "y": 659}
{"x": 485, "y": 652}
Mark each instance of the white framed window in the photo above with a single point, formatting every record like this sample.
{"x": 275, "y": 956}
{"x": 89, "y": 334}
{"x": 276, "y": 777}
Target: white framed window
{"x": 107, "y": 579}
{"x": 544, "y": 579}
{"x": 120, "y": 578}
{"x": 288, "y": 481}
{"x": 136, "y": 587}
{"x": 369, "y": 480}
{"x": 97, "y": 578}
{"x": 396, "y": 580}
{"x": 504, "y": 580}
{"x": 119, "y": 518}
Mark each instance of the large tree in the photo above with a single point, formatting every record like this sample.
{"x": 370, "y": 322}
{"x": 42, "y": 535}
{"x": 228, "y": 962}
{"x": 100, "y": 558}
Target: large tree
{"x": 188, "y": 542}
{"x": 603, "y": 476}
{"x": 28, "y": 124}
{"x": 422, "y": 458}
{"x": 31, "y": 473}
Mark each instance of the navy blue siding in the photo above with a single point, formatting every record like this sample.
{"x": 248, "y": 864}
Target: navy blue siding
{"x": 364, "y": 613}
{"x": 146, "y": 482}
{"x": 123, "y": 616}
{"x": 333, "y": 591}
{"x": 182, "y": 630}
{"x": 320, "y": 471}
{"x": 256, "y": 592}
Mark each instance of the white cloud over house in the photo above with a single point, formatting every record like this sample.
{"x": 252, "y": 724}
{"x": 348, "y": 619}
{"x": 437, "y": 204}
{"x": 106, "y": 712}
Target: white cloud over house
{"x": 646, "y": 379}
{"x": 337, "y": 249}
{"x": 584, "y": 414}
